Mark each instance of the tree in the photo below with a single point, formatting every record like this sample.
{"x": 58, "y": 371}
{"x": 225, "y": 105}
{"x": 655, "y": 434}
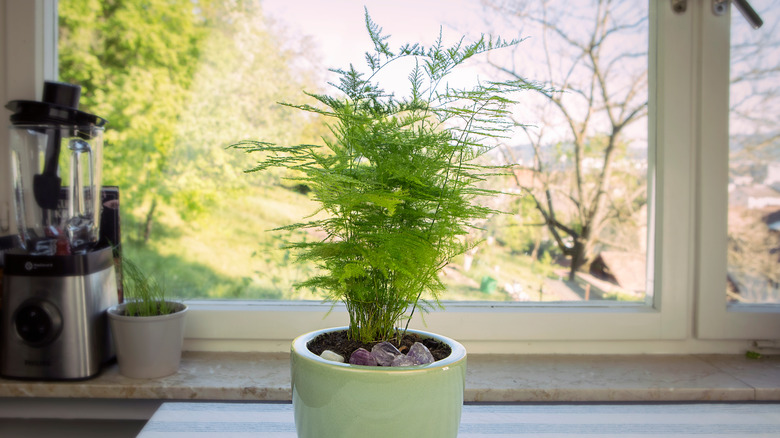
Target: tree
{"x": 178, "y": 81}
{"x": 593, "y": 71}
{"x": 754, "y": 107}
{"x": 135, "y": 62}
{"x": 243, "y": 72}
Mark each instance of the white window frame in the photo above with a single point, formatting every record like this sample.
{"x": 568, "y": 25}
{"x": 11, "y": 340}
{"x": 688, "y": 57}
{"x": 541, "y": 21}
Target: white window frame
{"x": 665, "y": 324}
{"x": 28, "y": 55}
{"x": 715, "y": 318}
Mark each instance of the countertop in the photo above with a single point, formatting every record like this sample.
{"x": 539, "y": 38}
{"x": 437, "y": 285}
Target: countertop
{"x": 223, "y": 376}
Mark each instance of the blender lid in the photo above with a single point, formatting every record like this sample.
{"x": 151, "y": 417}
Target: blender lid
{"x": 59, "y": 106}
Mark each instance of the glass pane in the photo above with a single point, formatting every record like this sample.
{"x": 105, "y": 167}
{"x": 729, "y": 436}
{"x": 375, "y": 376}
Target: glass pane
{"x": 580, "y": 230}
{"x": 180, "y": 80}
{"x": 754, "y": 159}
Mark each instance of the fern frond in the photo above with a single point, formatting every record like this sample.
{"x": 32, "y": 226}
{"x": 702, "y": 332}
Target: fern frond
{"x": 375, "y": 32}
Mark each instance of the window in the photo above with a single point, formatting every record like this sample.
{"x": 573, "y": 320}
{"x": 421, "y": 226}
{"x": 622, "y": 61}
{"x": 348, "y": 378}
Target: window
{"x": 178, "y": 81}
{"x": 739, "y": 150}
{"x": 680, "y": 220}
{"x": 754, "y": 161}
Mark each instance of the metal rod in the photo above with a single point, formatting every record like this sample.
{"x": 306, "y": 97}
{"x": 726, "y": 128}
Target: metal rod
{"x": 749, "y": 13}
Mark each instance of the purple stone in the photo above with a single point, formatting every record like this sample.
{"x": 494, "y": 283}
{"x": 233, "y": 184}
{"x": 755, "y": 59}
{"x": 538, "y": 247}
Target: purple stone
{"x": 361, "y": 356}
{"x": 384, "y": 353}
{"x": 403, "y": 361}
{"x": 420, "y": 354}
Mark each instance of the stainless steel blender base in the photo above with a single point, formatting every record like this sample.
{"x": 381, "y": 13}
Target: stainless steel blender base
{"x": 55, "y": 327}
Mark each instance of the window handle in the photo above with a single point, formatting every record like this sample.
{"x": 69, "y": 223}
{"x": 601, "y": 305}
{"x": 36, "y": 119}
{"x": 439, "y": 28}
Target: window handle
{"x": 719, "y": 7}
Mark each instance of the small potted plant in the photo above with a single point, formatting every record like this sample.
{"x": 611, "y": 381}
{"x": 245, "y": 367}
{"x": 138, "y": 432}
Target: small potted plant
{"x": 148, "y": 328}
{"x": 398, "y": 182}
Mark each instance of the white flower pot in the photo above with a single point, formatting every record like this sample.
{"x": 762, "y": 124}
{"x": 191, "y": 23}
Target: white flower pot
{"x": 147, "y": 346}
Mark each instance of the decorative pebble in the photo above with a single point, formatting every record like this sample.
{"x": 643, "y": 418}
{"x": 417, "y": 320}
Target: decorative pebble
{"x": 403, "y": 361}
{"x": 333, "y": 356}
{"x": 420, "y": 354}
{"x": 384, "y": 353}
{"x": 361, "y": 356}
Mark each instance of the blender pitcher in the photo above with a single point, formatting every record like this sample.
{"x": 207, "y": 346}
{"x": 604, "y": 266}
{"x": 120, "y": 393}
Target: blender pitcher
{"x": 56, "y": 158}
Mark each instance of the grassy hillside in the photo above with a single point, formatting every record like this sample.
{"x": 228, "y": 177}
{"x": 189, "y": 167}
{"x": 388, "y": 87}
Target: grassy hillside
{"x": 230, "y": 251}
{"x": 227, "y": 251}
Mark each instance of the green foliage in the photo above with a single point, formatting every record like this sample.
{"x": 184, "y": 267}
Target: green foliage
{"x": 135, "y": 61}
{"x": 522, "y": 230}
{"x": 144, "y": 295}
{"x": 160, "y": 72}
{"x": 243, "y": 70}
{"x": 397, "y": 182}
{"x": 228, "y": 256}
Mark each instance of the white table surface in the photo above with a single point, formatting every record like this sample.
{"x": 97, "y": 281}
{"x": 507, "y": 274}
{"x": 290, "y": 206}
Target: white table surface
{"x": 223, "y": 420}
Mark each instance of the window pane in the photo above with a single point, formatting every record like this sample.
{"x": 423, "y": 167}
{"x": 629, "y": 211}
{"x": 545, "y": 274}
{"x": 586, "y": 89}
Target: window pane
{"x": 754, "y": 159}
{"x": 580, "y": 231}
{"x": 180, "y": 80}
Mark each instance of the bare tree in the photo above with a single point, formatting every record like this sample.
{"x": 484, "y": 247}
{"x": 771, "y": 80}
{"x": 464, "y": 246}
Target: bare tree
{"x": 592, "y": 63}
{"x": 754, "y": 106}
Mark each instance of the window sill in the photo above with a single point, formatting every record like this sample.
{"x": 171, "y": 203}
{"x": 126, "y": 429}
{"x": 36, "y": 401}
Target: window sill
{"x": 490, "y": 378}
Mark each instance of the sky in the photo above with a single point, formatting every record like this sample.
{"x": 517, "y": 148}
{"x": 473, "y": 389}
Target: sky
{"x": 339, "y": 25}
{"x": 338, "y": 28}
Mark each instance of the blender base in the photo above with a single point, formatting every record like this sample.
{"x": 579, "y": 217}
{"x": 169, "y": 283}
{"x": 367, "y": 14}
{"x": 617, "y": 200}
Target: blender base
{"x": 53, "y": 322}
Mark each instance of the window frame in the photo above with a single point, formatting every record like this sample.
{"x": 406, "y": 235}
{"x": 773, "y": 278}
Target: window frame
{"x": 664, "y": 324}
{"x": 715, "y": 318}
{"x": 28, "y": 55}
{"x": 498, "y": 327}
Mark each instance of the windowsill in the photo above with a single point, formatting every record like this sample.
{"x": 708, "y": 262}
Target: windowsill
{"x": 490, "y": 378}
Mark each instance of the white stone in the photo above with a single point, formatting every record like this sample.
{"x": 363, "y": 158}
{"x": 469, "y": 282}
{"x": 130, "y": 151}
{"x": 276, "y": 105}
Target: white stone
{"x": 332, "y": 356}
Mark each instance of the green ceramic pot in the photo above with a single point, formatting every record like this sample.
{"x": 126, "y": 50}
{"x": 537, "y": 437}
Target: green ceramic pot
{"x": 338, "y": 400}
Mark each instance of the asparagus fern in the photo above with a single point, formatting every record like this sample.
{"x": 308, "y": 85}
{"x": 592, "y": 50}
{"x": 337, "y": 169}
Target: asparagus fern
{"x": 398, "y": 179}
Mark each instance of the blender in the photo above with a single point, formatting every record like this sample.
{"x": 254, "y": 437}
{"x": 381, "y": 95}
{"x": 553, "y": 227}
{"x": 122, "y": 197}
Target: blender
{"x": 59, "y": 281}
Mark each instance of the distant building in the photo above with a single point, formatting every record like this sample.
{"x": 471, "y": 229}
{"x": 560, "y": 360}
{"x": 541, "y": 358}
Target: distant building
{"x": 742, "y": 180}
{"x": 626, "y": 269}
{"x": 754, "y": 197}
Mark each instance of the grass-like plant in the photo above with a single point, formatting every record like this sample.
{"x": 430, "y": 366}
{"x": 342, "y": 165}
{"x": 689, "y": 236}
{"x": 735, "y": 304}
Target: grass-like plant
{"x": 144, "y": 295}
{"x": 398, "y": 181}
